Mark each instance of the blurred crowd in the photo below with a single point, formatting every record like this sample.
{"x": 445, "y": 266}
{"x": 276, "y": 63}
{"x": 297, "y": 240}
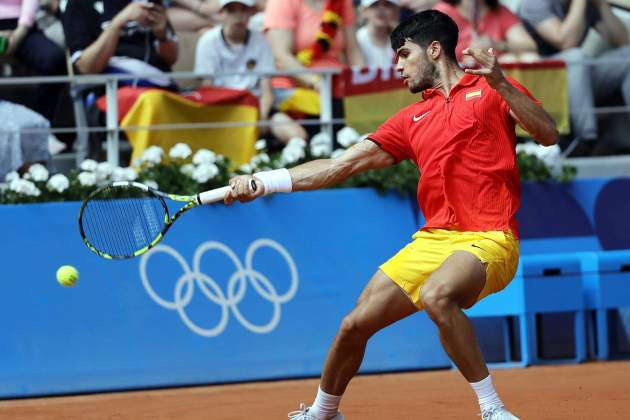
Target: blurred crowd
{"x": 229, "y": 38}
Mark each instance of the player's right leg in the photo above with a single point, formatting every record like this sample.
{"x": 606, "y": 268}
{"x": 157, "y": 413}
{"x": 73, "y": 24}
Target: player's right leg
{"x": 381, "y": 303}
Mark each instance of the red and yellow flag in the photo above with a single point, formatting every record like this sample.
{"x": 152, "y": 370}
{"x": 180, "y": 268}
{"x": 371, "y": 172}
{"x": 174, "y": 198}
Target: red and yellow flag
{"x": 139, "y": 108}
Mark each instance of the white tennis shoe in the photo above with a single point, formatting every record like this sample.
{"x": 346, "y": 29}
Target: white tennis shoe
{"x": 497, "y": 412}
{"x": 303, "y": 414}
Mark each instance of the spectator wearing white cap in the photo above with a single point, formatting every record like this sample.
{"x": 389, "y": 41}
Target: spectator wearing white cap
{"x": 381, "y": 17}
{"x": 232, "y": 47}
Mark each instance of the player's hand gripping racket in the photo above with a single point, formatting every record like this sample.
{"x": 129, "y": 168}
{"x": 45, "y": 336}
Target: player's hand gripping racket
{"x": 125, "y": 219}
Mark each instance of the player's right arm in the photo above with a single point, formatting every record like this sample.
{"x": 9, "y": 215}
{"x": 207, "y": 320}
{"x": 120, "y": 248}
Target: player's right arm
{"x": 320, "y": 173}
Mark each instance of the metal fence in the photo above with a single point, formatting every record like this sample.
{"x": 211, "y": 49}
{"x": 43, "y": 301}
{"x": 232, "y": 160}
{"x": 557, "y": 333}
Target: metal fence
{"x": 111, "y": 82}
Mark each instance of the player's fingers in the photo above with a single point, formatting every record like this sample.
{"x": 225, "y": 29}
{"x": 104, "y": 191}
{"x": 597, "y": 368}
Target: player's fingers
{"x": 240, "y": 189}
{"x": 478, "y": 71}
{"x": 228, "y": 198}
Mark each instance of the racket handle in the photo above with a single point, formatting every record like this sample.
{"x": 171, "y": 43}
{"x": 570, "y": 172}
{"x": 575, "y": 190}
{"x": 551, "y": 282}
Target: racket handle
{"x": 212, "y": 196}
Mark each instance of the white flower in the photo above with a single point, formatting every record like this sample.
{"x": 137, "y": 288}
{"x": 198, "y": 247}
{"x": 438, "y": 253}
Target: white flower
{"x": 548, "y": 154}
{"x": 58, "y": 183}
{"x": 347, "y": 136}
{"x": 38, "y": 172}
{"x": 151, "y": 184}
{"x": 152, "y": 155}
{"x": 291, "y": 154}
{"x": 11, "y": 176}
{"x": 204, "y": 173}
{"x": 124, "y": 174}
{"x": 25, "y": 187}
{"x": 246, "y": 168}
{"x": 321, "y": 138}
{"x": 204, "y": 157}
{"x": 320, "y": 150}
{"x": 260, "y": 159}
{"x": 87, "y": 179}
{"x": 103, "y": 171}
{"x": 187, "y": 169}
{"x": 180, "y": 151}
{"x": 261, "y": 145}
{"x": 321, "y": 145}
{"x": 337, "y": 152}
{"x": 220, "y": 158}
{"x": 296, "y": 142}
{"x": 88, "y": 165}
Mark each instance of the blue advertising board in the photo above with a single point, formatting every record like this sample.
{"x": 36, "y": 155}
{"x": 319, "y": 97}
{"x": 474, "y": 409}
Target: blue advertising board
{"x": 236, "y": 293}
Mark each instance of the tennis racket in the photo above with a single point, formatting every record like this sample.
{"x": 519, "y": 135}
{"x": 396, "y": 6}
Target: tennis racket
{"x": 125, "y": 219}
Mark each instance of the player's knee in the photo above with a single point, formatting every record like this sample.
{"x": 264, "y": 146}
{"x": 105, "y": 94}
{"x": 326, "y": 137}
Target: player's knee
{"x": 437, "y": 302}
{"x": 351, "y": 328}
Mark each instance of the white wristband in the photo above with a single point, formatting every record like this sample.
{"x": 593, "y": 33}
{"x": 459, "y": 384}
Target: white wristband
{"x": 278, "y": 180}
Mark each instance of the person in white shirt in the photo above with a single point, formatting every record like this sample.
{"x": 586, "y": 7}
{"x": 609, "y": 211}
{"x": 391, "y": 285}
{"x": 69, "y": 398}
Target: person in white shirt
{"x": 381, "y": 16}
{"x": 233, "y": 48}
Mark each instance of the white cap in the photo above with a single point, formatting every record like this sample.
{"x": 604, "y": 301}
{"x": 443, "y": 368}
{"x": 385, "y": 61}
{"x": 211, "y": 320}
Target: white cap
{"x": 248, "y": 3}
{"x": 368, "y": 3}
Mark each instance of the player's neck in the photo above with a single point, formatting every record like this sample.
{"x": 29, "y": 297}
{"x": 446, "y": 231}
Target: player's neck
{"x": 448, "y": 75}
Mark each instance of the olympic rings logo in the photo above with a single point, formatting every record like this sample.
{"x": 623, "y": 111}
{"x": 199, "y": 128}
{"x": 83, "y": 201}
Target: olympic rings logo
{"x": 236, "y": 286}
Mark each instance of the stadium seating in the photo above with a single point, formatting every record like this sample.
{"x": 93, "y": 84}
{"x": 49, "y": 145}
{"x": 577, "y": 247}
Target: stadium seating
{"x": 575, "y": 246}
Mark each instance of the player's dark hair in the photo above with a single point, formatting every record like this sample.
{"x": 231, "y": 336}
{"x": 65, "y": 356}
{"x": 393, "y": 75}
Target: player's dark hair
{"x": 426, "y": 27}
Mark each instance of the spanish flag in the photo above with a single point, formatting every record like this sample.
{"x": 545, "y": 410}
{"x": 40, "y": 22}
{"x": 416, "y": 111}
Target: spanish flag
{"x": 142, "y": 110}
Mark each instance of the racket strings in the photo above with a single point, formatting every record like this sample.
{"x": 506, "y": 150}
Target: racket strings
{"x": 120, "y": 221}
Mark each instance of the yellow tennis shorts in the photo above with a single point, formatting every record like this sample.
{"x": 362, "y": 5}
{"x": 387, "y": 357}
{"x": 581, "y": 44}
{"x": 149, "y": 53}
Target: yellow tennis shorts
{"x": 411, "y": 266}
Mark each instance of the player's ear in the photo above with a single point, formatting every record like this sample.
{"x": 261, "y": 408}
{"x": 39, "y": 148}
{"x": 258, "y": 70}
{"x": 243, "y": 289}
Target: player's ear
{"x": 434, "y": 50}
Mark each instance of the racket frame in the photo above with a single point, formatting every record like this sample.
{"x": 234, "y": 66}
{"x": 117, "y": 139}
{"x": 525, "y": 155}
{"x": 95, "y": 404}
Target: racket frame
{"x": 192, "y": 201}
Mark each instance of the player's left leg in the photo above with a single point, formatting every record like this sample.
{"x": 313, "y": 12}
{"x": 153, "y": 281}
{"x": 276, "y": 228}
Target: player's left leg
{"x": 456, "y": 285}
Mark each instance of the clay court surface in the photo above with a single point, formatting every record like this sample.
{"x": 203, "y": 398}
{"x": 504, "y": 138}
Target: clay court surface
{"x": 587, "y": 391}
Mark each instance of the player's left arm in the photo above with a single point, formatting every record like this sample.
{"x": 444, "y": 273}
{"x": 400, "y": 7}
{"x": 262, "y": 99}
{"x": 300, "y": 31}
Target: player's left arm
{"x": 529, "y": 115}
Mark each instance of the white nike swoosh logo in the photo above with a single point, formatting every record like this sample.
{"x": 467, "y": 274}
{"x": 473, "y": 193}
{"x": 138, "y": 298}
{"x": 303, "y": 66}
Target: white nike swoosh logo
{"x": 416, "y": 119}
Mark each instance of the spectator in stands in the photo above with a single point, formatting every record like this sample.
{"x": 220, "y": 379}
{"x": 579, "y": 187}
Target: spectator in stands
{"x": 409, "y": 7}
{"x": 232, "y": 47}
{"x": 488, "y": 24}
{"x": 193, "y": 15}
{"x": 197, "y": 15}
{"x": 310, "y": 33}
{"x": 381, "y": 17}
{"x": 120, "y": 36}
{"x": 19, "y": 150}
{"x": 32, "y": 48}
{"x": 559, "y": 27}
{"x": 292, "y": 28}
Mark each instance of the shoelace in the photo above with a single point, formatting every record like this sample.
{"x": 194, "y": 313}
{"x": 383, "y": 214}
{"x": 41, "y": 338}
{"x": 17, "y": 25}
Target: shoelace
{"x": 490, "y": 412}
{"x": 301, "y": 414}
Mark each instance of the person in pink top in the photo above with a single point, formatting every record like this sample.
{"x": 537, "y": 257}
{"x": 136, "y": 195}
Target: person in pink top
{"x": 25, "y": 41}
{"x": 33, "y": 49}
{"x": 292, "y": 26}
{"x": 488, "y": 24}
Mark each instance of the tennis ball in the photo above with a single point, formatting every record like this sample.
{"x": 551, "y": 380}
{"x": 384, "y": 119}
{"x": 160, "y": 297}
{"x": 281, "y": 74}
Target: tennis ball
{"x": 67, "y": 275}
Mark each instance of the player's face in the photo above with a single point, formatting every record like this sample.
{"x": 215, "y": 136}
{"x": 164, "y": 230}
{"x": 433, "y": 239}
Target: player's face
{"x": 415, "y": 66}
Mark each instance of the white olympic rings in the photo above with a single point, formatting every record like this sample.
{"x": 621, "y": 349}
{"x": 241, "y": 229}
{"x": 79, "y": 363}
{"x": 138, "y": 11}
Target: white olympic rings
{"x": 236, "y": 287}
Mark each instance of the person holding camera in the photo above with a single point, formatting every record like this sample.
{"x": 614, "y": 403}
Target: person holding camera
{"x": 120, "y": 36}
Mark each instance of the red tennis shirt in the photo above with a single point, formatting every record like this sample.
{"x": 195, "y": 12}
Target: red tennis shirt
{"x": 464, "y": 147}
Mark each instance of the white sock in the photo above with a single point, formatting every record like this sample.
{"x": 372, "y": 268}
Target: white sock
{"x": 486, "y": 393}
{"x": 325, "y": 405}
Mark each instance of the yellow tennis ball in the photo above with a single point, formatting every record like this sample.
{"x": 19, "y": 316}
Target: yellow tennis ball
{"x": 67, "y": 275}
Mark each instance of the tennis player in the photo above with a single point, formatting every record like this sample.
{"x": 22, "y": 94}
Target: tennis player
{"x": 462, "y": 137}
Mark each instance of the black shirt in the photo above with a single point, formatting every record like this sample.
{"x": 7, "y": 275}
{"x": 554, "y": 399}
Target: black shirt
{"x": 84, "y": 21}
